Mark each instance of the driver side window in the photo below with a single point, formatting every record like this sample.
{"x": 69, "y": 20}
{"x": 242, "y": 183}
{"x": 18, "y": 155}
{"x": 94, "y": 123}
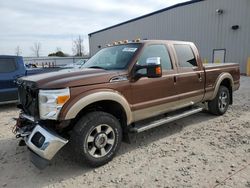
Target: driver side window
{"x": 155, "y": 50}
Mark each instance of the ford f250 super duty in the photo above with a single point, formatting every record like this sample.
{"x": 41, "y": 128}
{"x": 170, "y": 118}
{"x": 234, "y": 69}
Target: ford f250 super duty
{"x": 126, "y": 87}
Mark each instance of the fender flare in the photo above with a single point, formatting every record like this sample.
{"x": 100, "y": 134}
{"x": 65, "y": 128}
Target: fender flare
{"x": 219, "y": 80}
{"x": 96, "y": 97}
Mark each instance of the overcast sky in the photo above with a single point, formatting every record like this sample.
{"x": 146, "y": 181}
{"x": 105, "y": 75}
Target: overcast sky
{"x": 55, "y": 23}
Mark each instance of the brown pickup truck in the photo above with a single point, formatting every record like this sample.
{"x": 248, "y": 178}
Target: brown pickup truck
{"x": 126, "y": 87}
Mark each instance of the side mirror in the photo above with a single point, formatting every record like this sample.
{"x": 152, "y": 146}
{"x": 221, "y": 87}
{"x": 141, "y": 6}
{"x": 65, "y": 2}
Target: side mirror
{"x": 153, "y": 68}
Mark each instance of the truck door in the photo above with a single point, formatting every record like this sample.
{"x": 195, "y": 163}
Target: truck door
{"x": 190, "y": 78}
{"x": 9, "y": 71}
{"x": 154, "y": 96}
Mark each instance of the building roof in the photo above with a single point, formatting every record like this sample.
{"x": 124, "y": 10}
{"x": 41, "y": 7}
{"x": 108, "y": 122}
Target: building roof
{"x": 150, "y": 14}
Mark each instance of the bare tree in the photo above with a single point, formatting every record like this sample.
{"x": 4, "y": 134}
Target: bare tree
{"x": 78, "y": 48}
{"x": 18, "y": 51}
{"x": 36, "y": 49}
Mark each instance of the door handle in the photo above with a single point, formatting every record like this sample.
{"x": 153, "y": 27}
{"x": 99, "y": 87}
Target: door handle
{"x": 175, "y": 79}
{"x": 199, "y": 77}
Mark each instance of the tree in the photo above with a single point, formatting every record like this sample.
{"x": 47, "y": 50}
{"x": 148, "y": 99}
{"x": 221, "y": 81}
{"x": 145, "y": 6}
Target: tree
{"x": 36, "y": 49}
{"x": 18, "y": 51}
{"x": 58, "y": 54}
{"x": 78, "y": 48}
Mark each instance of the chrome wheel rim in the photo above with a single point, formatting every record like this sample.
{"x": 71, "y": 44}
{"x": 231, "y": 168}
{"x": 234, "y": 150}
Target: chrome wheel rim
{"x": 100, "y": 140}
{"x": 223, "y": 101}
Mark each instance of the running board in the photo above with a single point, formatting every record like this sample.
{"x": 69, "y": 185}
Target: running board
{"x": 150, "y": 125}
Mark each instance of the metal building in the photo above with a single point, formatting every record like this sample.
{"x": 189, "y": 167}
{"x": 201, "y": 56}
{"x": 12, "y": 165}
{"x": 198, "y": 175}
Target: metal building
{"x": 220, "y": 29}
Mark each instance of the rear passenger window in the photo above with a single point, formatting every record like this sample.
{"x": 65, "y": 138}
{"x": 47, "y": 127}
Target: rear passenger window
{"x": 156, "y": 50}
{"x": 7, "y": 65}
{"x": 185, "y": 55}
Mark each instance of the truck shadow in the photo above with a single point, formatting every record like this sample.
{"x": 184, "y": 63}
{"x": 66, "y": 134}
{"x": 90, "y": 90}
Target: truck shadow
{"x": 16, "y": 170}
{"x": 150, "y": 136}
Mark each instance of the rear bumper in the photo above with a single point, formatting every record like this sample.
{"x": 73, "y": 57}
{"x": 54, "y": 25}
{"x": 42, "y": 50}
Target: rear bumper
{"x": 44, "y": 143}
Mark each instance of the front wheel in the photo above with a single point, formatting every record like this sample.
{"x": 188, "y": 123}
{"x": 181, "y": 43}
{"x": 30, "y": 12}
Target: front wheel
{"x": 220, "y": 103}
{"x": 96, "y": 138}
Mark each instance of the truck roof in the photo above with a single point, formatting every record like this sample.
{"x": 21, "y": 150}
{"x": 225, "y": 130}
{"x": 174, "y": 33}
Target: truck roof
{"x": 138, "y": 41}
{"x": 170, "y": 41}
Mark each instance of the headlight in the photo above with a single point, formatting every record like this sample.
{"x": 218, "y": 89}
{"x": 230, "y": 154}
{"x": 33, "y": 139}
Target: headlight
{"x": 51, "y": 102}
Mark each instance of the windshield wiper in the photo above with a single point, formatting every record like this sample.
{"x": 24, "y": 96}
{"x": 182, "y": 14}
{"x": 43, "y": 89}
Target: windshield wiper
{"x": 96, "y": 67}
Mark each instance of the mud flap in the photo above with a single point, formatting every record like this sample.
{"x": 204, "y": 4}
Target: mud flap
{"x": 126, "y": 137}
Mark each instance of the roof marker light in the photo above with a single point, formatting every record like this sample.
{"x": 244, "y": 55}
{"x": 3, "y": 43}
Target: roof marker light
{"x": 136, "y": 40}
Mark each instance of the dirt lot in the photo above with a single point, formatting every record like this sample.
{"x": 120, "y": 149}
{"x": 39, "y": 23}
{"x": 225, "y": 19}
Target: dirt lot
{"x": 199, "y": 151}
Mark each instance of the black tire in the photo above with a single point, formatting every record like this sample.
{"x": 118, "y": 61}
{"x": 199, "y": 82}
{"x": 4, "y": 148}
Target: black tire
{"x": 219, "y": 105}
{"x": 96, "y": 138}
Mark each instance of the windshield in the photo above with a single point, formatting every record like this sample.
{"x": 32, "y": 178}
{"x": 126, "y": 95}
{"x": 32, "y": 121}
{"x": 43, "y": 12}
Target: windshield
{"x": 115, "y": 57}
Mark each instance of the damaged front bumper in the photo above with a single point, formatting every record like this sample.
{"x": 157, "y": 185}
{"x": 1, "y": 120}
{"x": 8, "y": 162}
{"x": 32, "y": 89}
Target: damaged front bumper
{"x": 43, "y": 142}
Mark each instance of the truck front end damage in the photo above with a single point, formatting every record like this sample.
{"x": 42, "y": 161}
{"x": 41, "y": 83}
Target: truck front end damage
{"x": 41, "y": 136}
{"x": 43, "y": 142}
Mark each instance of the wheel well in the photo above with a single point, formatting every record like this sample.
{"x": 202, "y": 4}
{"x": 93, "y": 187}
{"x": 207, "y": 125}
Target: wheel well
{"x": 227, "y": 84}
{"x": 108, "y": 106}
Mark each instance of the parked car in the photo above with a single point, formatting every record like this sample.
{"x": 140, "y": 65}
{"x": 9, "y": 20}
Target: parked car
{"x": 130, "y": 87}
{"x": 11, "y": 68}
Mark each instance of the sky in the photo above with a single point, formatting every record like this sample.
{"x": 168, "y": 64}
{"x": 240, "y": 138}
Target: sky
{"x": 56, "y": 23}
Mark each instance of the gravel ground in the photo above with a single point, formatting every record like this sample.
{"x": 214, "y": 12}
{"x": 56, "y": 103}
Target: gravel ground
{"x": 199, "y": 151}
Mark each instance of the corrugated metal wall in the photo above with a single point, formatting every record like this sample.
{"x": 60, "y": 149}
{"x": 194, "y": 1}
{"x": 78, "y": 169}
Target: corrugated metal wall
{"x": 198, "y": 22}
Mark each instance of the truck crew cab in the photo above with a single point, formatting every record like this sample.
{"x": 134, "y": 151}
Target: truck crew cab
{"x": 126, "y": 87}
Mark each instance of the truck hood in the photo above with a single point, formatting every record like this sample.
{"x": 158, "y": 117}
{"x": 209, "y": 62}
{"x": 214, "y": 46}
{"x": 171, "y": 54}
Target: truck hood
{"x": 71, "y": 78}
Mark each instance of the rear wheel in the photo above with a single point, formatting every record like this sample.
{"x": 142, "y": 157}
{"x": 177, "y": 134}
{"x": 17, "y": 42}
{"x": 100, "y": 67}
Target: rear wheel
{"x": 96, "y": 138}
{"x": 220, "y": 103}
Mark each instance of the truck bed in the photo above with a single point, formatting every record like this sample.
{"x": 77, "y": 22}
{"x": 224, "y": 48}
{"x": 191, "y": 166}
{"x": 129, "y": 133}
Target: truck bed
{"x": 213, "y": 71}
{"x": 212, "y": 65}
